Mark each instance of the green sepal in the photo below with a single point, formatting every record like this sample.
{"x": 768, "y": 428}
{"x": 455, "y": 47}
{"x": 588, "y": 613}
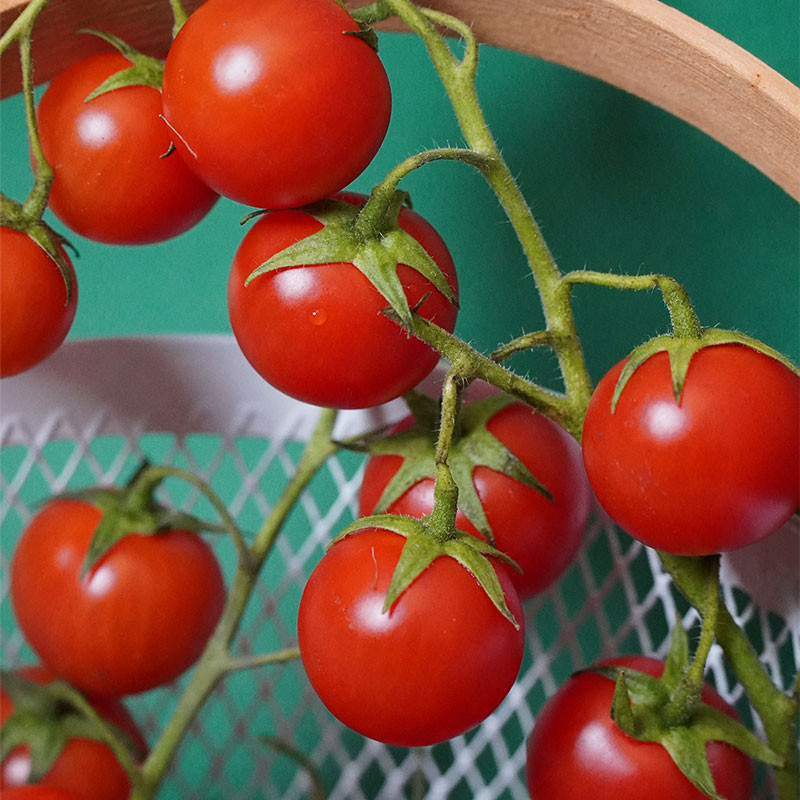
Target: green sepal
{"x": 376, "y": 256}
{"x": 366, "y": 34}
{"x": 44, "y": 720}
{"x": 52, "y": 242}
{"x": 422, "y": 548}
{"x": 132, "y": 510}
{"x": 680, "y": 351}
{"x": 473, "y": 445}
{"x": 13, "y": 215}
{"x": 686, "y": 743}
{"x": 144, "y": 70}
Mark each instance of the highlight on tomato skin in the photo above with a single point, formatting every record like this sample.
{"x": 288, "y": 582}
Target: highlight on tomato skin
{"x": 36, "y": 315}
{"x": 85, "y": 767}
{"x": 275, "y": 104}
{"x": 577, "y": 751}
{"x": 113, "y": 181}
{"x": 718, "y": 471}
{"x": 138, "y": 619}
{"x": 432, "y": 667}
{"x": 318, "y": 332}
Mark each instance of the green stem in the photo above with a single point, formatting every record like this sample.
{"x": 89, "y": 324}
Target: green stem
{"x": 525, "y": 342}
{"x": 470, "y": 363}
{"x": 216, "y": 660}
{"x": 179, "y": 16}
{"x": 686, "y": 695}
{"x": 22, "y": 24}
{"x": 458, "y": 78}
{"x": 242, "y": 663}
{"x": 381, "y": 199}
{"x": 676, "y": 299}
{"x": 779, "y": 713}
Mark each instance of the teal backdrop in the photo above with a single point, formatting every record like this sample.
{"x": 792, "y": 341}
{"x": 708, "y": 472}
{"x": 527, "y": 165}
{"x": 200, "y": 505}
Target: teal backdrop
{"x": 615, "y": 184}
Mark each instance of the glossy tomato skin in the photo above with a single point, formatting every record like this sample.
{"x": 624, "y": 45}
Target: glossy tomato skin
{"x": 111, "y": 184}
{"x": 317, "y": 332}
{"x": 541, "y": 536}
{"x": 138, "y": 619}
{"x": 38, "y": 793}
{"x": 86, "y": 768}
{"x": 715, "y": 473}
{"x": 438, "y": 663}
{"x": 576, "y": 750}
{"x": 274, "y": 104}
{"x": 33, "y": 303}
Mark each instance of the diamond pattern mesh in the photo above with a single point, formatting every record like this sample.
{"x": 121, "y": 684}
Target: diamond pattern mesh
{"x": 615, "y": 598}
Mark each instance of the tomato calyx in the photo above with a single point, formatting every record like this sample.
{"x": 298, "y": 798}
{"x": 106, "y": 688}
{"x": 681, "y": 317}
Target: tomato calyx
{"x": 428, "y": 539}
{"x": 681, "y": 349}
{"x": 132, "y": 510}
{"x": 46, "y": 717}
{"x": 144, "y": 70}
{"x": 13, "y": 215}
{"x": 473, "y": 446}
{"x": 375, "y": 250}
{"x": 641, "y": 708}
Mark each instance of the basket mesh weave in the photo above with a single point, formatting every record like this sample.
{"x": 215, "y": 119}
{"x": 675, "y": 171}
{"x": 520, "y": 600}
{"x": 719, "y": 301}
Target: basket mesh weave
{"x": 614, "y": 599}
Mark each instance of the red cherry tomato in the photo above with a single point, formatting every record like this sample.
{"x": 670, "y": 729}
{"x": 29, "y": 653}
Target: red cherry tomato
{"x": 36, "y": 316}
{"x": 110, "y": 183}
{"x": 86, "y": 768}
{"x": 577, "y": 751}
{"x": 317, "y": 332}
{"x": 432, "y": 667}
{"x": 716, "y": 472}
{"x": 542, "y": 536}
{"x": 38, "y": 793}
{"x": 138, "y": 619}
{"x": 275, "y": 104}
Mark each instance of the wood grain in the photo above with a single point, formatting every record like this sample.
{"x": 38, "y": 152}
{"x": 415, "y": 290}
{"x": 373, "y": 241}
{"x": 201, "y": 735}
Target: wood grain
{"x": 641, "y": 46}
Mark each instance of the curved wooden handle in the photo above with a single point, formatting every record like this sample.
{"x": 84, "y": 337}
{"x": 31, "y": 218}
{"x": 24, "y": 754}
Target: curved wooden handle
{"x": 642, "y": 46}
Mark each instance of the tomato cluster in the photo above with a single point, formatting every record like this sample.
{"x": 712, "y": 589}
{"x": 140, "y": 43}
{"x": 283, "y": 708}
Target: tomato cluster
{"x": 280, "y": 105}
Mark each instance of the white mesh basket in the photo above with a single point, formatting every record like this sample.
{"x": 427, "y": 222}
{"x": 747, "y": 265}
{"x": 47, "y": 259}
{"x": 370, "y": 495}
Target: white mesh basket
{"x": 91, "y": 412}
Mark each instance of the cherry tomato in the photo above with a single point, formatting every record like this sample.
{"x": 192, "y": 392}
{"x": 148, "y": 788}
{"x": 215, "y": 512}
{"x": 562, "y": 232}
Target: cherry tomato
{"x": 577, "y": 751}
{"x": 432, "y": 667}
{"x": 715, "y": 472}
{"x": 275, "y": 104}
{"x": 136, "y": 620}
{"x": 38, "y": 793}
{"x": 86, "y": 768}
{"x": 33, "y": 303}
{"x": 541, "y": 535}
{"x": 110, "y": 183}
{"x": 317, "y": 332}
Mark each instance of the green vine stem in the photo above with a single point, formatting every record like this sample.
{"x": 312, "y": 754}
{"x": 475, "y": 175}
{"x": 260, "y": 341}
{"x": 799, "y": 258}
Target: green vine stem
{"x": 676, "y": 299}
{"x": 458, "y": 78}
{"x": 217, "y": 661}
{"x": 779, "y": 713}
{"x": 179, "y": 16}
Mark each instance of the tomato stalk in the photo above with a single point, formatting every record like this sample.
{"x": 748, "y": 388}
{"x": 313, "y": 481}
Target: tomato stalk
{"x": 458, "y": 78}
{"x": 779, "y": 713}
{"x": 217, "y": 661}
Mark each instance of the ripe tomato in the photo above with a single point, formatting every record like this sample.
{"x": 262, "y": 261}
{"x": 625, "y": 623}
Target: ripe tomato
{"x": 111, "y": 183}
{"x": 541, "y": 535}
{"x": 38, "y": 793}
{"x": 138, "y": 619}
{"x": 715, "y": 472}
{"x": 33, "y": 303}
{"x": 275, "y": 104}
{"x": 85, "y": 767}
{"x": 317, "y": 332}
{"x": 432, "y": 667}
{"x": 576, "y": 750}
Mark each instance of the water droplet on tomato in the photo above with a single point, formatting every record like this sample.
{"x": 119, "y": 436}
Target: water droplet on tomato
{"x": 319, "y": 316}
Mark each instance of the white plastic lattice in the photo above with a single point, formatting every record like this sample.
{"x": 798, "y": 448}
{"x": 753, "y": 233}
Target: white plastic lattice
{"x": 95, "y": 409}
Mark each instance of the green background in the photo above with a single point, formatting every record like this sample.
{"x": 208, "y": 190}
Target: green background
{"x": 615, "y": 183}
